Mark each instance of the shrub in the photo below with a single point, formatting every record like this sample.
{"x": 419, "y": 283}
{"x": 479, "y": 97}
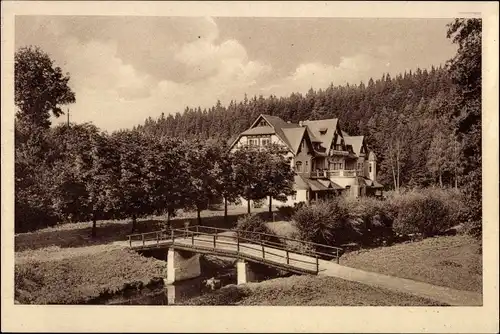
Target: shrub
{"x": 252, "y": 225}
{"x": 324, "y": 223}
{"x": 286, "y": 212}
{"x": 422, "y": 212}
{"x": 370, "y": 218}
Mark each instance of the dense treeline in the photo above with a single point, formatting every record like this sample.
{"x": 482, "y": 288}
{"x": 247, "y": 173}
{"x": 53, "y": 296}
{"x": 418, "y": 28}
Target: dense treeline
{"x": 424, "y": 127}
{"x": 419, "y": 103}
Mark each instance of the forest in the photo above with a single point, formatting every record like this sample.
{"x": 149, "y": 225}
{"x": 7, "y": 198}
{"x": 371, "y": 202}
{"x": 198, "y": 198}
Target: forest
{"x": 424, "y": 126}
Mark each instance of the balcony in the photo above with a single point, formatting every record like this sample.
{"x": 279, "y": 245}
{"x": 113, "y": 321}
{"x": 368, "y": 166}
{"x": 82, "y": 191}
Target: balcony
{"x": 336, "y": 173}
{"x": 338, "y": 152}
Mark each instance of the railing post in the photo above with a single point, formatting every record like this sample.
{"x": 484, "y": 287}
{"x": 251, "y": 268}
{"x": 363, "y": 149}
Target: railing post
{"x": 197, "y": 229}
{"x": 130, "y": 240}
{"x": 237, "y": 242}
{"x": 143, "y": 241}
{"x": 192, "y": 239}
{"x": 317, "y": 264}
{"x": 214, "y": 241}
{"x": 263, "y": 252}
{"x": 173, "y": 237}
{"x": 338, "y": 259}
{"x": 287, "y": 257}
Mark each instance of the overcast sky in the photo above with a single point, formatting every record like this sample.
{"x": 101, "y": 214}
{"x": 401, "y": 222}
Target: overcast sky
{"x": 124, "y": 69}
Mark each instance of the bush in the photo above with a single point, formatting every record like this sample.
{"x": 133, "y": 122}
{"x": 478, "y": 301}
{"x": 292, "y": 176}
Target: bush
{"x": 252, "y": 225}
{"x": 286, "y": 212}
{"x": 425, "y": 212}
{"x": 325, "y": 222}
{"x": 371, "y": 219}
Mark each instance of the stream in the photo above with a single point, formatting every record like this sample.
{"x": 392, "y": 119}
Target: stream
{"x": 222, "y": 269}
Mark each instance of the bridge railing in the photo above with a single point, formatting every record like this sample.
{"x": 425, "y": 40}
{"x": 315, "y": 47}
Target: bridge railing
{"x": 238, "y": 245}
{"x": 296, "y": 245}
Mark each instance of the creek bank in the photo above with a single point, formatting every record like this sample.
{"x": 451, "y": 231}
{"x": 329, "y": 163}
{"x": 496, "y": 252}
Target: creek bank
{"x": 307, "y": 290}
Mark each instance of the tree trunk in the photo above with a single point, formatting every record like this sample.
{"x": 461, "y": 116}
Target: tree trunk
{"x": 225, "y": 210}
{"x": 248, "y": 206}
{"x": 198, "y": 215}
{"x": 397, "y": 164}
{"x": 270, "y": 205}
{"x": 392, "y": 168}
{"x": 94, "y": 225}
{"x": 134, "y": 221}
{"x": 167, "y": 227}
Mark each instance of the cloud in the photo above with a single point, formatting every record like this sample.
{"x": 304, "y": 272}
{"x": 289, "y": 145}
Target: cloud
{"x": 114, "y": 93}
{"x": 319, "y": 75}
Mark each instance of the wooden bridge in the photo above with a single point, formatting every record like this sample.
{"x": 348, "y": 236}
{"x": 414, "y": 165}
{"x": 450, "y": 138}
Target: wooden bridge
{"x": 284, "y": 253}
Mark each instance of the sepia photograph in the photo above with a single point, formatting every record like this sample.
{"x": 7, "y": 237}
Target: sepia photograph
{"x": 248, "y": 160}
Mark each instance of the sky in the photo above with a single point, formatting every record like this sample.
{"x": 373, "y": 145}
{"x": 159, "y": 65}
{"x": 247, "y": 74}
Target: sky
{"x": 125, "y": 69}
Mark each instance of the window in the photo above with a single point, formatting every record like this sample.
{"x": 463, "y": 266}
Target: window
{"x": 298, "y": 166}
{"x": 294, "y": 196}
{"x": 265, "y": 141}
{"x": 262, "y": 123}
{"x": 370, "y": 168}
{"x": 307, "y": 166}
{"x": 253, "y": 142}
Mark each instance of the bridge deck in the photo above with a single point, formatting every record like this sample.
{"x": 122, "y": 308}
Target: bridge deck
{"x": 226, "y": 243}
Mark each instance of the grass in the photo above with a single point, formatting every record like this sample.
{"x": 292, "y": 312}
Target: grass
{"x": 451, "y": 261}
{"x": 108, "y": 231}
{"x": 308, "y": 291}
{"x": 80, "y": 279}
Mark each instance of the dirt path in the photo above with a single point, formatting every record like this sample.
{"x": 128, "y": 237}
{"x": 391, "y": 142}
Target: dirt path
{"x": 438, "y": 293}
{"x": 57, "y": 253}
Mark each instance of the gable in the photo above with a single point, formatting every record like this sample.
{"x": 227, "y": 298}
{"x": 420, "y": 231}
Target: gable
{"x": 261, "y": 121}
{"x": 322, "y": 130}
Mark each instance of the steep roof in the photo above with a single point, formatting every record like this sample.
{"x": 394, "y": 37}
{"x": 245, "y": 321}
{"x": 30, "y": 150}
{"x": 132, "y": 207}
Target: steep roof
{"x": 294, "y": 137}
{"x": 259, "y": 130}
{"x": 278, "y": 124}
{"x": 316, "y": 126}
{"x": 356, "y": 142}
{"x": 372, "y": 156}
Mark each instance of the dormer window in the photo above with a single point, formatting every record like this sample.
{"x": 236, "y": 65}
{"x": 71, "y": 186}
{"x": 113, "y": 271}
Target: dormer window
{"x": 262, "y": 123}
{"x": 323, "y": 131}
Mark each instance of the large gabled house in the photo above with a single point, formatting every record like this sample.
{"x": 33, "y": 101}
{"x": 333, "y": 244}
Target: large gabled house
{"x": 326, "y": 160}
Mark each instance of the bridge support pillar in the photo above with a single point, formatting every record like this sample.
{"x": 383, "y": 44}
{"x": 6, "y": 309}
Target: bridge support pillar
{"x": 182, "y": 265}
{"x": 244, "y": 274}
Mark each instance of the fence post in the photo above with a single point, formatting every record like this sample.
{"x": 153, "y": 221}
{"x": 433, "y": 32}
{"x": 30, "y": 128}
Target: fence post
{"x": 287, "y": 257}
{"x": 173, "y": 237}
{"x": 192, "y": 239}
{"x": 317, "y": 264}
{"x": 157, "y": 238}
{"x": 197, "y": 229}
{"x": 237, "y": 243}
{"x": 263, "y": 252}
{"x": 143, "y": 241}
{"x": 338, "y": 259}
{"x": 214, "y": 241}
{"x": 130, "y": 240}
